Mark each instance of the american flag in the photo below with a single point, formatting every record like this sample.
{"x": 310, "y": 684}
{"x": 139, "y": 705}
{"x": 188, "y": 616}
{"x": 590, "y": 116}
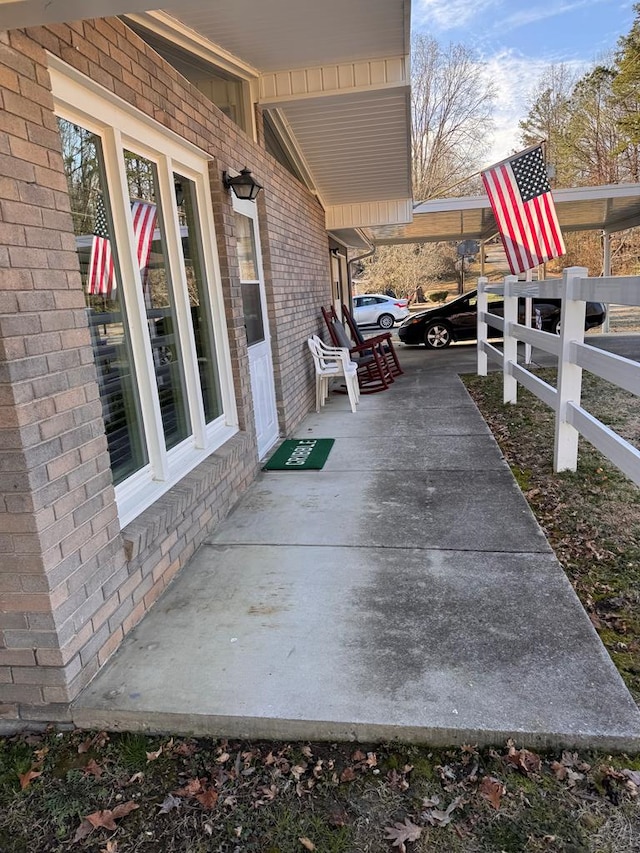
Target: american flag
{"x": 101, "y": 280}
{"x": 100, "y": 277}
{"x": 521, "y": 200}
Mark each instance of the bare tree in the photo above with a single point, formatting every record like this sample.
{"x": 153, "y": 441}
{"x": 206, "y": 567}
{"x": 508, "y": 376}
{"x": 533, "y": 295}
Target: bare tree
{"x": 548, "y": 119}
{"x": 451, "y": 103}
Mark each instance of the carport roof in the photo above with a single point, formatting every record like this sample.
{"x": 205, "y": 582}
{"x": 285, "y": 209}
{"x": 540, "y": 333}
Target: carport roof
{"x": 609, "y": 208}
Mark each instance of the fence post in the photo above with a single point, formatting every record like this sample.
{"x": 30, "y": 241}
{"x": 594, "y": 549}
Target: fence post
{"x": 482, "y": 333}
{"x": 565, "y": 451}
{"x": 510, "y": 344}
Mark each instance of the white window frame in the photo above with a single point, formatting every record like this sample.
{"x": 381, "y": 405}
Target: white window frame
{"x": 120, "y": 126}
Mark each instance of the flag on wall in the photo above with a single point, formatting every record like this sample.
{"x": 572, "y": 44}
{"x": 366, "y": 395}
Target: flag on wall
{"x": 521, "y": 200}
{"x": 101, "y": 279}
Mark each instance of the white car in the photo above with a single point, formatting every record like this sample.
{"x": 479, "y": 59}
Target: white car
{"x": 375, "y": 309}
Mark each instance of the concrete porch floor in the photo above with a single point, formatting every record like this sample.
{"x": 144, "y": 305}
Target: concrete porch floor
{"x": 403, "y": 592}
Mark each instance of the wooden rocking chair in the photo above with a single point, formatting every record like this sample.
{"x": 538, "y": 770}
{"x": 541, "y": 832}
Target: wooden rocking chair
{"x": 384, "y": 340}
{"x": 373, "y": 372}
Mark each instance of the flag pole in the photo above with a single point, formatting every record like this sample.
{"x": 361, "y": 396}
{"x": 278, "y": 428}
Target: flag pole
{"x": 484, "y": 168}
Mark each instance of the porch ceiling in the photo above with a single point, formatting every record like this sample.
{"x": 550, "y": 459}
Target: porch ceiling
{"x": 612, "y": 207}
{"x": 335, "y": 75}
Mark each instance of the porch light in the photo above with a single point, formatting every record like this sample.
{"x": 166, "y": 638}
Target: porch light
{"x": 244, "y": 185}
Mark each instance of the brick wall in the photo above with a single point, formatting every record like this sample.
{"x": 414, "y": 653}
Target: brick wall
{"x": 72, "y": 583}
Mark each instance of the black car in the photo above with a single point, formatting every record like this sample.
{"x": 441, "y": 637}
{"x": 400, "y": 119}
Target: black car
{"x": 457, "y": 320}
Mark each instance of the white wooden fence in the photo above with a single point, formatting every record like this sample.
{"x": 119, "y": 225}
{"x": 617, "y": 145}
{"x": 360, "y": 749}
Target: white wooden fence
{"x": 573, "y": 354}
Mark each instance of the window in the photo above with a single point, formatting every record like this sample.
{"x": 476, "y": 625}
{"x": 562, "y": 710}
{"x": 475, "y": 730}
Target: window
{"x": 249, "y": 278}
{"x": 227, "y": 91}
{"x": 91, "y": 211}
{"x": 144, "y": 235}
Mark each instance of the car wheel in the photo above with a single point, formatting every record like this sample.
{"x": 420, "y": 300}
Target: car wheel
{"x": 437, "y": 336}
{"x": 557, "y": 327}
{"x": 386, "y": 321}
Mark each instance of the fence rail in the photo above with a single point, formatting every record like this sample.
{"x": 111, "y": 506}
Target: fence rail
{"x": 575, "y": 289}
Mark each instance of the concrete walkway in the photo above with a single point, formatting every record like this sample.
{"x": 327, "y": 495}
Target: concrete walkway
{"x": 403, "y": 592}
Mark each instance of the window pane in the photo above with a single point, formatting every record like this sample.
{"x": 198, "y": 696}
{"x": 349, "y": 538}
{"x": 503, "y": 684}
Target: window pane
{"x": 246, "y": 248}
{"x": 198, "y": 297}
{"x": 105, "y": 308}
{"x": 158, "y": 298}
{"x": 248, "y": 262}
{"x": 252, "y": 313}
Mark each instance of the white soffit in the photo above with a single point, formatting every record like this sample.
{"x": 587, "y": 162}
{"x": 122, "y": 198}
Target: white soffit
{"x": 336, "y": 76}
{"x": 336, "y": 72}
{"x": 612, "y": 207}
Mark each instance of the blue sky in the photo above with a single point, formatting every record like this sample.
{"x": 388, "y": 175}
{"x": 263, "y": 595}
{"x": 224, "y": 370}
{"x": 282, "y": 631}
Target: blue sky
{"x": 518, "y": 39}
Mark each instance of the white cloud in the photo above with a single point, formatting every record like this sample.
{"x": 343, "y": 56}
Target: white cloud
{"x": 443, "y": 15}
{"x": 533, "y": 14}
{"x": 514, "y": 78}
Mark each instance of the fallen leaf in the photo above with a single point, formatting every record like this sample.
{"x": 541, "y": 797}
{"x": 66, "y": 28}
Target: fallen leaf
{"x": 269, "y": 793}
{"x": 298, "y": 769}
{"x": 492, "y": 790}
{"x": 185, "y": 749}
{"x": 41, "y": 753}
{"x": 106, "y": 818}
{"x": 358, "y": 755}
{"x": 573, "y": 777}
{"x": 83, "y": 831}
{"x": 401, "y": 833}
{"x": 527, "y": 762}
{"x": 28, "y": 777}
{"x": 437, "y": 817}
{"x": 94, "y": 769}
{"x": 633, "y": 776}
{"x": 137, "y": 777}
{"x": 207, "y": 798}
{"x": 193, "y": 787}
{"x": 559, "y": 770}
{"x": 307, "y": 844}
{"x": 348, "y": 774}
{"x": 306, "y": 751}
{"x": 152, "y": 756}
{"x": 221, "y": 759}
{"x": 112, "y": 847}
{"x": 170, "y": 803}
{"x": 397, "y": 780}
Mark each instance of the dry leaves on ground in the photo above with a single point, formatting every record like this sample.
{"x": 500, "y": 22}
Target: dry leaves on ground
{"x": 401, "y": 833}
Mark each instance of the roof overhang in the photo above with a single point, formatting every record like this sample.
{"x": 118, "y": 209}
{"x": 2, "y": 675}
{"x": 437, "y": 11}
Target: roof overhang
{"x": 608, "y": 208}
{"x": 335, "y": 76}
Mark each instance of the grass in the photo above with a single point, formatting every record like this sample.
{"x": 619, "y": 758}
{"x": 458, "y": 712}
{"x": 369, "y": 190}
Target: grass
{"x": 188, "y": 796}
{"x": 133, "y": 793}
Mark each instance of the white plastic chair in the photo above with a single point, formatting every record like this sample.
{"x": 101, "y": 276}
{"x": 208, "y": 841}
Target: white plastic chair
{"x": 332, "y": 362}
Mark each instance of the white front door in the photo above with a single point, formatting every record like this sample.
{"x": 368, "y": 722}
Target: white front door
{"x": 257, "y": 325}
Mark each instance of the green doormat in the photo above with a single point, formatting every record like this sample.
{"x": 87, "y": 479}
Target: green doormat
{"x": 300, "y": 454}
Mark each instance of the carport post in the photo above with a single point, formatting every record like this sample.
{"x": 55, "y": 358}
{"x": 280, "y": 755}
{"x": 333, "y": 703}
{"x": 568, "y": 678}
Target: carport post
{"x": 510, "y": 344}
{"x": 606, "y": 269}
{"x": 565, "y": 451}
